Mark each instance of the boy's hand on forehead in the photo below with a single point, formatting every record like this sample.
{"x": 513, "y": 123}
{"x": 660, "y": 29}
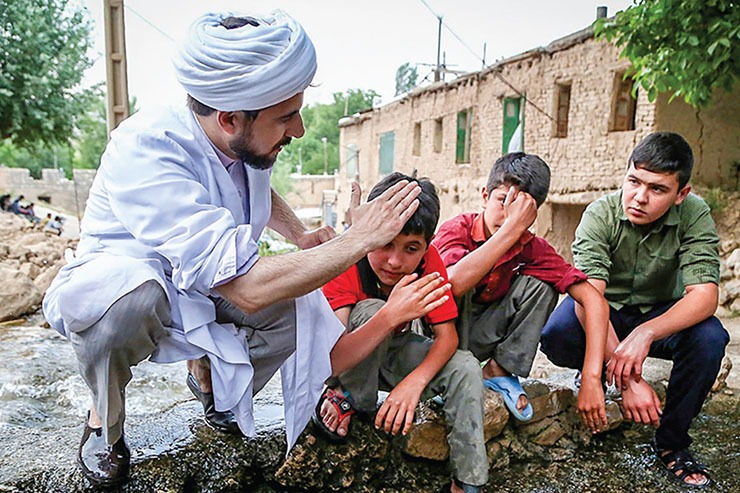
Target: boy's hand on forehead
{"x": 377, "y": 222}
{"x": 520, "y": 208}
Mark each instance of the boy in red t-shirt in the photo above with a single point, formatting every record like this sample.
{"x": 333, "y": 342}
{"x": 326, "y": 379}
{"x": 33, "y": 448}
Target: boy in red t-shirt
{"x": 506, "y": 282}
{"x": 401, "y": 285}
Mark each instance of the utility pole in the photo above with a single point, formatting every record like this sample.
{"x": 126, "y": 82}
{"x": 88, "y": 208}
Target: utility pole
{"x": 438, "y": 70}
{"x": 326, "y": 159}
{"x": 115, "y": 63}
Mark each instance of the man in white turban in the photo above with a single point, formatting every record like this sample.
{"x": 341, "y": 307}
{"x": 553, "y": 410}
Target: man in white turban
{"x": 167, "y": 266}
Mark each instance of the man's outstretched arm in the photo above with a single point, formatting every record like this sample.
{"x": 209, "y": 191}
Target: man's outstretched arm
{"x": 281, "y": 277}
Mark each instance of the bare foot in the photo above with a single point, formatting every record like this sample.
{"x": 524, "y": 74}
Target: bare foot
{"x": 330, "y": 417}
{"x": 492, "y": 369}
{"x": 201, "y": 370}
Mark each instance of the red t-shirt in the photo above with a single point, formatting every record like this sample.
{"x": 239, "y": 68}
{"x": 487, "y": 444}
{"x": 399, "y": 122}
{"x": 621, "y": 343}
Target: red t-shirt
{"x": 530, "y": 256}
{"x": 346, "y": 289}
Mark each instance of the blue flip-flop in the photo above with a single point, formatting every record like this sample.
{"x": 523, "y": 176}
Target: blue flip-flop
{"x": 510, "y": 389}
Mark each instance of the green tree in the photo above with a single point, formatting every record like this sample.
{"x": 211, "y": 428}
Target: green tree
{"x": 406, "y": 77}
{"x": 36, "y": 156}
{"x": 91, "y": 133}
{"x": 43, "y": 55}
{"x": 91, "y": 129}
{"x": 321, "y": 121}
{"x": 681, "y": 47}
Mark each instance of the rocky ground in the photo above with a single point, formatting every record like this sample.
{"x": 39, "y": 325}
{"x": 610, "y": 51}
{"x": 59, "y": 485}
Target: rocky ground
{"x": 174, "y": 451}
{"x": 29, "y": 261}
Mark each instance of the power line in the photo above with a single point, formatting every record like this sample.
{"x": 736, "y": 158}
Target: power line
{"x": 495, "y": 72}
{"x": 154, "y": 26}
{"x": 446, "y": 26}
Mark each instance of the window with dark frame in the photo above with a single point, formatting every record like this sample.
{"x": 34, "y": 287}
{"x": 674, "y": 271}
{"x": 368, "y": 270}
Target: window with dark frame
{"x": 624, "y": 105}
{"x": 562, "y": 109}
{"x": 416, "y": 151}
{"x": 438, "y": 135}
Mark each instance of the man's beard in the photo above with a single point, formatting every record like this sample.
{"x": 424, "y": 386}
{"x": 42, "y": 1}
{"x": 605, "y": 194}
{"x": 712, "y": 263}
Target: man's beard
{"x": 244, "y": 151}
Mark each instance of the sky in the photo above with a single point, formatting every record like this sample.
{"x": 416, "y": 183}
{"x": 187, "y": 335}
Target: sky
{"x": 359, "y": 44}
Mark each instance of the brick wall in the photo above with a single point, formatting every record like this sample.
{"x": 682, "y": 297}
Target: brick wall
{"x": 586, "y": 163}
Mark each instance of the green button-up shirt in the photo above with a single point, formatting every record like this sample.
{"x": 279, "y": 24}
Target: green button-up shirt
{"x": 646, "y": 265}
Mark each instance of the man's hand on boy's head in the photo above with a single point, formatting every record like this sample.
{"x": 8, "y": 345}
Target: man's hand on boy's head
{"x": 413, "y": 298}
{"x": 520, "y": 209}
{"x": 377, "y": 222}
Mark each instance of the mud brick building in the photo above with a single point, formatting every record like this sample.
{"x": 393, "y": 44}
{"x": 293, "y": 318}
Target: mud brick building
{"x": 567, "y": 102}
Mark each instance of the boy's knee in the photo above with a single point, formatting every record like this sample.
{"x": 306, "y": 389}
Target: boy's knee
{"x": 463, "y": 366}
{"x": 364, "y": 310}
{"x": 709, "y": 340}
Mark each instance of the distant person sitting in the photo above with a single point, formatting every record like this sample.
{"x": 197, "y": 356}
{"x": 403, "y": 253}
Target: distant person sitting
{"x": 15, "y": 207}
{"x": 30, "y": 213}
{"x": 54, "y": 226}
{"x": 46, "y": 220}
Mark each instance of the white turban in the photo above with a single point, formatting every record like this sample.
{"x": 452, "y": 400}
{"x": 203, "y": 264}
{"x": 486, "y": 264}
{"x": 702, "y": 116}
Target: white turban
{"x": 245, "y": 68}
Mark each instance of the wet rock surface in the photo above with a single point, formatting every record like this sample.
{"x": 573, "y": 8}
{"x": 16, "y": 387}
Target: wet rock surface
{"x": 174, "y": 451}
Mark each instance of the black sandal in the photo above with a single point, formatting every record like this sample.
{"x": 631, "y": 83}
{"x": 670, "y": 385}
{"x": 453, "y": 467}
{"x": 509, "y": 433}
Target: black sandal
{"x": 683, "y": 465}
{"x": 344, "y": 409}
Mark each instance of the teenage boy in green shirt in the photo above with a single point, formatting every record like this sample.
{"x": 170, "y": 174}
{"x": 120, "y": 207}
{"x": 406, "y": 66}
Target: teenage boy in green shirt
{"x": 651, "y": 249}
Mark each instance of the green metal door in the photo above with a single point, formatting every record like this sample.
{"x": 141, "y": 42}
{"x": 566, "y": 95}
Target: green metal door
{"x": 511, "y": 121}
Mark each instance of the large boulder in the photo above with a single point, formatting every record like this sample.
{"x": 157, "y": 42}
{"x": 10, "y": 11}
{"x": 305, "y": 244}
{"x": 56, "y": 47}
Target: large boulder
{"x": 18, "y": 294}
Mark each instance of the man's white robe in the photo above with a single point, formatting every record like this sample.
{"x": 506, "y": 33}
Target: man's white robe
{"x": 163, "y": 207}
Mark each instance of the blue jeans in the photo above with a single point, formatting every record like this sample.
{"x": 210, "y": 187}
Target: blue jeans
{"x": 696, "y": 353}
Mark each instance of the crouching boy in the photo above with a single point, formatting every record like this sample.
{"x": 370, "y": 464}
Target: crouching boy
{"x": 651, "y": 248}
{"x": 399, "y": 285}
{"x": 506, "y": 281}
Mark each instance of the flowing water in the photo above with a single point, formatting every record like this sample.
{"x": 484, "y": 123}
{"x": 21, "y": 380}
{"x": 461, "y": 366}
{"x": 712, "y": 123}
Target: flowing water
{"x": 40, "y": 386}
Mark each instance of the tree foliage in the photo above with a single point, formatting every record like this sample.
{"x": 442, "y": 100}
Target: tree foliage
{"x": 43, "y": 55}
{"x": 82, "y": 151}
{"x": 321, "y": 121}
{"x": 406, "y": 78}
{"x": 686, "y": 48}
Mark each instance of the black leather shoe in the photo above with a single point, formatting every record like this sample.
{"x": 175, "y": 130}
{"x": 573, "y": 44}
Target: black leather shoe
{"x": 223, "y": 421}
{"x": 103, "y": 464}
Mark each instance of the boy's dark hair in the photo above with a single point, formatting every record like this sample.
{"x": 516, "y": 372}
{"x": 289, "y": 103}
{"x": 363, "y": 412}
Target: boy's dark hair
{"x": 423, "y": 222}
{"x": 664, "y": 152}
{"x": 425, "y": 219}
{"x": 526, "y": 171}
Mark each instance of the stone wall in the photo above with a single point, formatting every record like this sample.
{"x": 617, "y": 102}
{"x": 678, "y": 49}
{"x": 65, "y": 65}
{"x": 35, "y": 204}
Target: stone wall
{"x": 53, "y": 189}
